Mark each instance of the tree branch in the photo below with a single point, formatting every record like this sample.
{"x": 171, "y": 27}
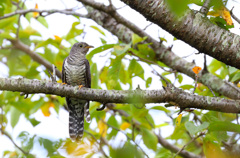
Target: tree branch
{"x": 163, "y": 54}
{"x": 178, "y": 96}
{"x": 21, "y": 46}
{"x": 67, "y": 12}
{"x": 174, "y": 148}
{"x": 198, "y": 32}
{"x": 193, "y": 139}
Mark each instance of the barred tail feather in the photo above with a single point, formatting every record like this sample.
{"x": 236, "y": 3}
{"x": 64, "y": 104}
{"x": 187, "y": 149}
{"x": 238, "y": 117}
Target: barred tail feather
{"x": 76, "y": 126}
{"x": 76, "y": 119}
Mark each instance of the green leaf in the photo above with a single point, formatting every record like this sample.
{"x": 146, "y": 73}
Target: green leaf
{"x": 163, "y": 153}
{"x": 224, "y": 126}
{"x": 127, "y": 151}
{"x": 48, "y": 145}
{"x": 232, "y": 69}
{"x": 74, "y": 31}
{"x": 121, "y": 49}
{"x": 96, "y": 28}
{"x": 135, "y": 69}
{"x": 98, "y": 50}
{"x": 113, "y": 71}
{"x": 94, "y": 76}
{"x": 1, "y": 9}
{"x": 6, "y": 35}
{"x": 162, "y": 39}
{"x": 178, "y": 7}
{"x": 180, "y": 78}
{"x": 28, "y": 16}
{"x": 43, "y": 21}
{"x": 103, "y": 40}
{"x": 214, "y": 66}
{"x": 123, "y": 75}
{"x": 187, "y": 87}
{"x": 34, "y": 122}
{"x": 15, "y": 114}
{"x": 149, "y": 139}
{"x": 29, "y": 31}
{"x": 161, "y": 108}
{"x": 192, "y": 129}
{"x": 112, "y": 121}
{"x": 137, "y": 39}
{"x": 8, "y": 21}
{"x": 148, "y": 82}
{"x": 236, "y": 77}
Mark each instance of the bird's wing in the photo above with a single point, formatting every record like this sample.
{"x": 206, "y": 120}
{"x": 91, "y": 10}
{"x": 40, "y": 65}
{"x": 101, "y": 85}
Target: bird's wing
{"x": 63, "y": 72}
{"x": 88, "y": 74}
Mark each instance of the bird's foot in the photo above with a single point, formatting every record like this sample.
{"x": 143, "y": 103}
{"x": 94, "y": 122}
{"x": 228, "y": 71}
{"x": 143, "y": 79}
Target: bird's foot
{"x": 80, "y": 86}
{"x": 64, "y": 83}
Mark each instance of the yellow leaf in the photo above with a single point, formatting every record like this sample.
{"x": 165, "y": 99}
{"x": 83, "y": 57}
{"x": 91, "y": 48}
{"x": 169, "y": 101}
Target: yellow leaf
{"x": 212, "y": 150}
{"x": 36, "y": 14}
{"x": 238, "y": 84}
{"x": 102, "y": 128}
{"x": 57, "y": 38}
{"x": 70, "y": 146}
{"x": 196, "y": 69}
{"x": 125, "y": 125}
{"x": 45, "y": 108}
{"x": 213, "y": 13}
{"x": 225, "y": 14}
{"x": 178, "y": 120}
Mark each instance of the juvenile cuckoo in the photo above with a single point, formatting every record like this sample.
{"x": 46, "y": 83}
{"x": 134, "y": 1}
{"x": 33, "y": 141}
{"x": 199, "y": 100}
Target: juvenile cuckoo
{"x": 76, "y": 72}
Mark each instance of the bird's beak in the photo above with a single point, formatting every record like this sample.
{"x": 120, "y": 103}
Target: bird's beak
{"x": 89, "y": 47}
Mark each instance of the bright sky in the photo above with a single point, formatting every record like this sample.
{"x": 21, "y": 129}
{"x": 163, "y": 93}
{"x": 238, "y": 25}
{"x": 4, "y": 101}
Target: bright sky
{"x": 56, "y": 126}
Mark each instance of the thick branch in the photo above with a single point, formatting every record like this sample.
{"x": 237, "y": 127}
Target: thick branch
{"x": 194, "y": 29}
{"x": 178, "y": 96}
{"x": 21, "y": 46}
{"x": 163, "y": 54}
{"x": 124, "y": 34}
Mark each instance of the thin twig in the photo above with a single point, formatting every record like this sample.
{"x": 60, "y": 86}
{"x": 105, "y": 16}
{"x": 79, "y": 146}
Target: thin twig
{"x": 127, "y": 137}
{"x": 99, "y": 143}
{"x": 18, "y": 28}
{"x": 193, "y": 139}
{"x": 67, "y": 12}
{"x": 188, "y": 55}
{"x": 10, "y": 138}
{"x": 167, "y": 82}
{"x": 233, "y": 16}
{"x": 205, "y": 7}
{"x": 196, "y": 78}
{"x": 233, "y": 86}
{"x": 147, "y": 26}
{"x": 211, "y": 91}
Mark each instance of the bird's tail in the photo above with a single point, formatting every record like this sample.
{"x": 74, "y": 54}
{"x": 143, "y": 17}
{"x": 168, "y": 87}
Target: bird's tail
{"x": 76, "y": 121}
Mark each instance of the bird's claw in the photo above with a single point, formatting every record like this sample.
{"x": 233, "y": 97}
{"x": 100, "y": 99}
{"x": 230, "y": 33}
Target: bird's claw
{"x": 102, "y": 108}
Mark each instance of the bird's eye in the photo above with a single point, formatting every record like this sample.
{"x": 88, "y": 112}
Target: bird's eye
{"x": 81, "y": 45}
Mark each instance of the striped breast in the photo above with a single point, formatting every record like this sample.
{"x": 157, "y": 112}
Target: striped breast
{"x": 75, "y": 74}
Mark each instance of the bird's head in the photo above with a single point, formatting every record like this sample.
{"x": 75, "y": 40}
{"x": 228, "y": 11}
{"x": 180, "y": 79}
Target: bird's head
{"x": 81, "y": 47}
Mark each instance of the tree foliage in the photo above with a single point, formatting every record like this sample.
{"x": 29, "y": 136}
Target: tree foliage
{"x": 131, "y": 129}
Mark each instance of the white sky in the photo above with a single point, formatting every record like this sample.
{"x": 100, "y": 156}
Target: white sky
{"x": 56, "y": 126}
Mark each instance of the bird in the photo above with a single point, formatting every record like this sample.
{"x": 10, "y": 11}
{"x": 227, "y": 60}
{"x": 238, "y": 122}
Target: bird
{"x": 76, "y": 72}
